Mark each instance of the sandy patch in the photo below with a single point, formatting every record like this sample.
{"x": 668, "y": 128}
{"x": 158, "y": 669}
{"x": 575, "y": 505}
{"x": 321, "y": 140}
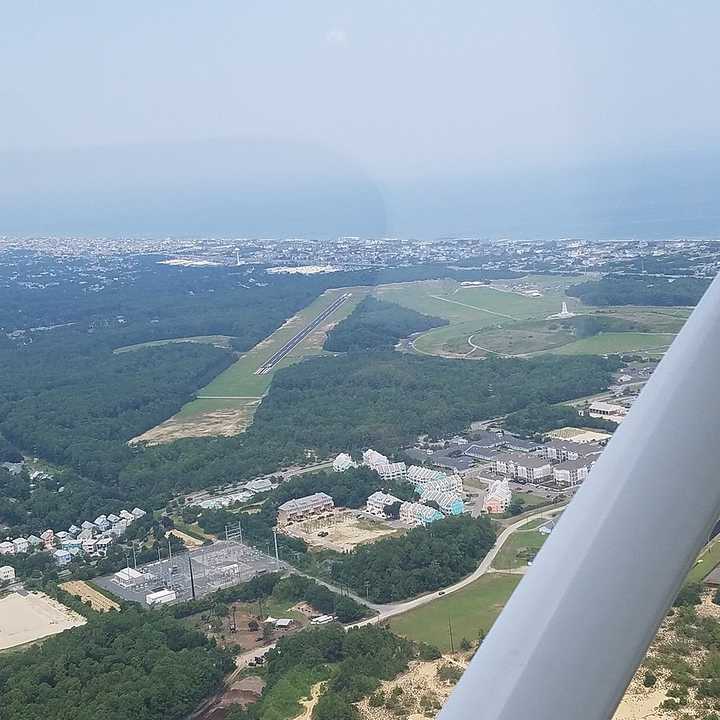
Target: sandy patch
{"x": 25, "y": 618}
{"x": 188, "y": 540}
{"x": 224, "y": 422}
{"x": 341, "y": 531}
{"x": 98, "y": 601}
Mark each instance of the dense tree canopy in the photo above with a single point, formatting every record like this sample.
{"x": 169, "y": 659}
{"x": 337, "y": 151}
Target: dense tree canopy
{"x": 376, "y": 324}
{"x": 120, "y": 666}
{"x": 540, "y": 418}
{"x": 640, "y": 290}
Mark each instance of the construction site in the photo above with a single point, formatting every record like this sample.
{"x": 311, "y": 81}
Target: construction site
{"x": 189, "y": 575}
{"x": 340, "y": 530}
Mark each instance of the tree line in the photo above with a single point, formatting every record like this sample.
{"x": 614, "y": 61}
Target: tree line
{"x": 640, "y": 290}
{"x": 378, "y": 325}
{"x": 540, "y": 418}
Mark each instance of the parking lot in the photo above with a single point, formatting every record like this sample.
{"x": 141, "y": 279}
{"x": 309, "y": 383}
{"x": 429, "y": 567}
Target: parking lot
{"x": 215, "y": 566}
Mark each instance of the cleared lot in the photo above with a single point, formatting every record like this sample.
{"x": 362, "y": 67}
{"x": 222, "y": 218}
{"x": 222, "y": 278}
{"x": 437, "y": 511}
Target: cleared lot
{"x": 26, "y": 617}
{"x": 98, "y": 601}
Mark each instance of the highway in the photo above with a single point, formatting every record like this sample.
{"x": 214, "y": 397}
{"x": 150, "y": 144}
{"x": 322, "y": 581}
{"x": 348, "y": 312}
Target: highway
{"x": 277, "y": 356}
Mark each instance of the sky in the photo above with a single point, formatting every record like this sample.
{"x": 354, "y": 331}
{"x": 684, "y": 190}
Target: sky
{"x": 409, "y": 117}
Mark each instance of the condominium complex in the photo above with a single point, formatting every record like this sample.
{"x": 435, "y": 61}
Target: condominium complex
{"x": 372, "y": 458}
{"x": 378, "y": 503}
{"x": 524, "y": 467}
{"x": 391, "y": 472}
{"x": 343, "y": 462}
{"x": 303, "y": 507}
{"x": 414, "y": 514}
{"x": 450, "y": 503}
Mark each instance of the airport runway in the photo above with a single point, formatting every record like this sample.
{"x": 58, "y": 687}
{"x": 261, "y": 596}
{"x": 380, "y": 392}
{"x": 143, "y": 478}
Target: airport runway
{"x": 276, "y": 357}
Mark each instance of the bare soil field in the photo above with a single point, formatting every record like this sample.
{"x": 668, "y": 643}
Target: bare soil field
{"x": 25, "y": 618}
{"x": 240, "y": 692}
{"x": 343, "y": 531}
{"x": 220, "y": 422}
{"x": 188, "y": 540}
{"x": 98, "y": 601}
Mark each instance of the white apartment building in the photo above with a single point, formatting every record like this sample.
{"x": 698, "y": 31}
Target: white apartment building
{"x": 524, "y": 467}
{"x": 7, "y": 573}
{"x": 379, "y": 501}
{"x": 450, "y": 503}
{"x": 7, "y": 548}
{"x": 392, "y": 472}
{"x": 372, "y": 458}
{"x": 448, "y": 483}
{"x": 418, "y": 475}
{"x": 609, "y": 411}
{"x": 343, "y": 462}
{"x": 572, "y": 472}
{"x": 21, "y": 545}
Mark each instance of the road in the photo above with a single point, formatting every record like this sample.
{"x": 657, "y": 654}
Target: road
{"x": 277, "y": 356}
{"x": 388, "y": 610}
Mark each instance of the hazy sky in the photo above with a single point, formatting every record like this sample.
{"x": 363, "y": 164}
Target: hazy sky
{"x": 406, "y": 116}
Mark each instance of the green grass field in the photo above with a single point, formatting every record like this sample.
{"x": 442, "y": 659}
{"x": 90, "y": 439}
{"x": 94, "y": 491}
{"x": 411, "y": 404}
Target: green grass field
{"x": 238, "y": 384}
{"x": 473, "y": 608}
{"x": 706, "y": 563}
{"x": 218, "y": 340}
{"x": 614, "y": 342}
{"x": 511, "y": 553}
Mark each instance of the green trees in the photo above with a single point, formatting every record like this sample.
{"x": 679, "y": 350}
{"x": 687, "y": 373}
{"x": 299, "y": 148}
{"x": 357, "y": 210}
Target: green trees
{"x": 132, "y": 664}
{"x": 423, "y": 559}
{"x": 640, "y": 290}
{"x": 540, "y": 418}
{"x": 378, "y": 325}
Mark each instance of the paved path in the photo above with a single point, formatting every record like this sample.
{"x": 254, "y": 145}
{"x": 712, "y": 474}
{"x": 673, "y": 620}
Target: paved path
{"x": 474, "y": 307}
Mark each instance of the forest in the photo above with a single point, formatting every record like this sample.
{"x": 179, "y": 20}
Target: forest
{"x": 353, "y": 663}
{"x": 540, "y": 418}
{"x": 378, "y": 325}
{"x": 133, "y": 664}
{"x": 640, "y": 290}
{"x": 421, "y": 560}
{"x": 343, "y": 403}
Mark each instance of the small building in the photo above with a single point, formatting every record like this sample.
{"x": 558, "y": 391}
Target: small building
{"x": 378, "y": 502}
{"x": 416, "y": 514}
{"x": 102, "y": 523}
{"x": 35, "y": 541}
{"x": 160, "y": 597}
{"x": 118, "y": 529}
{"x": 89, "y": 546}
{"x": 74, "y": 530}
{"x": 303, "y": 507}
{"x": 48, "y": 538}
{"x": 87, "y": 525}
{"x": 126, "y": 515}
{"x": 372, "y": 458}
{"x": 7, "y": 548}
{"x": 102, "y": 545}
{"x": 85, "y": 535}
{"x": 113, "y": 518}
{"x": 62, "y": 557}
{"x": 129, "y": 577}
{"x": 21, "y": 545}
{"x": 138, "y": 513}
{"x": 7, "y": 573}
{"x": 260, "y": 485}
{"x": 498, "y": 497}
{"x": 343, "y": 462}
{"x": 392, "y": 472}
{"x": 609, "y": 411}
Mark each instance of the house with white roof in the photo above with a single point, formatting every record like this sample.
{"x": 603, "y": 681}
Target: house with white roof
{"x": 7, "y": 548}
{"x": 498, "y": 497}
{"x": 343, "y": 462}
{"x": 21, "y": 545}
{"x": 7, "y": 573}
{"x": 371, "y": 458}
{"x": 378, "y": 502}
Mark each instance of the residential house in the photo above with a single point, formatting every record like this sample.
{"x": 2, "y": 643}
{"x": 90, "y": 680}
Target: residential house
{"x": 7, "y": 573}
{"x": 378, "y": 502}
{"x": 62, "y": 557}
{"x": 7, "y": 548}
{"x": 497, "y": 498}
{"x": 48, "y": 538}
{"x": 415, "y": 514}
{"x": 450, "y": 503}
{"x": 371, "y": 458}
{"x": 343, "y": 462}
{"x": 21, "y": 545}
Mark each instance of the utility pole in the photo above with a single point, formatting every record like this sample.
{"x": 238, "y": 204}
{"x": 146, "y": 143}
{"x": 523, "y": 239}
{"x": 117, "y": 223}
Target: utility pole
{"x": 240, "y": 530}
{"x": 227, "y": 538}
{"x": 452, "y": 646}
{"x": 134, "y": 556}
{"x": 367, "y": 590}
{"x": 277, "y": 555}
{"x": 192, "y": 579}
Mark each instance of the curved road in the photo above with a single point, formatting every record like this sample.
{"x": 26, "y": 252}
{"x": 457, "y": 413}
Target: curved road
{"x": 388, "y": 610}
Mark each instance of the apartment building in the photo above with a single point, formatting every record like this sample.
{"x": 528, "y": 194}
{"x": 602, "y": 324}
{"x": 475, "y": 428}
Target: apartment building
{"x": 523, "y": 467}
{"x": 450, "y": 503}
{"x": 562, "y": 450}
{"x": 343, "y": 462}
{"x": 391, "y": 472}
{"x": 372, "y": 458}
{"x": 303, "y": 507}
{"x": 415, "y": 514}
{"x": 572, "y": 472}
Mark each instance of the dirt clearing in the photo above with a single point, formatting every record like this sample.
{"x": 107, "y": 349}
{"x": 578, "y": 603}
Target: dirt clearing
{"x": 98, "y": 601}
{"x": 28, "y": 617}
{"x": 213, "y": 423}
